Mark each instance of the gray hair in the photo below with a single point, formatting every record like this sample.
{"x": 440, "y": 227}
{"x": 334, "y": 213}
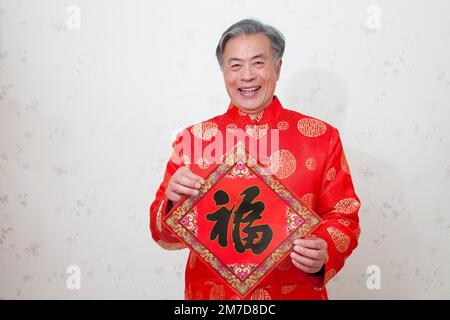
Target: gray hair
{"x": 248, "y": 27}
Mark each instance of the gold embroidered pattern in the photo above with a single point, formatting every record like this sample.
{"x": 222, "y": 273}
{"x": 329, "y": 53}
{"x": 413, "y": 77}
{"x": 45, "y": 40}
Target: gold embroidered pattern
{"x": 331, "y": 174}
{"x": 282, "y": 163}
{"x": 203, "y": 163}
{"x": 307, "y": 200}
{"x": 242, "y": 113}
{"x": 329, "y": 275}
{"x": 217, "y": 291}
{"x": 286, "y": 289}
{"x": 189, "y": 221}
{"x": 242, "y": 270}
{"x": 198, "y": 295}
{"x": 259, "y": 116}
{"x": 192, "y": 260}
{"x": 311, "y": 127}
{"x": 257, "y": 131}
{"x": 344, "y": 222}
{"x": 188, "y": 292}
{"x": 239, "y": 171}
{"x": 284, "y": 265}
{"x": 347, "y": 206}
{"x": 260, "y": 294}
{"x": 340, "y": 239}
{"x": 158, "y": 217}
{"x": 344, "y": 163}
{"x": 232, "y": 127}
{"x": 205, "y": 130}
{"x": 283, "y": 125}
{"x": 311, "y": 164}
{"x": 293, "y": 220}
{"x": 171, "y": 246}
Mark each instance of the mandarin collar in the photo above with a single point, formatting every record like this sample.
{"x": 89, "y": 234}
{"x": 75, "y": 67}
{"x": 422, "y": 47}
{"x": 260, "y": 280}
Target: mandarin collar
{"x": 266, "y": 115}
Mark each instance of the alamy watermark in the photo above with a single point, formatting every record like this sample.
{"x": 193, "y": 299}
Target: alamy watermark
{"x": 373, "y": 281}
{"x": 73, "y": 281}
{"x": 373, "y": 19}
{"x": 213, "y": 147}
{"x": 73, "y": 20}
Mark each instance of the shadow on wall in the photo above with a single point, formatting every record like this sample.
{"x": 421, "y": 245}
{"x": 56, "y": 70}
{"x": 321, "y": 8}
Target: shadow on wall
{"x": 322, "y": 94}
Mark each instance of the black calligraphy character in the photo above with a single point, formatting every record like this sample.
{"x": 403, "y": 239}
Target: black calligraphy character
{"x": 222, "y": 218}
{"x": 254, "y": 211}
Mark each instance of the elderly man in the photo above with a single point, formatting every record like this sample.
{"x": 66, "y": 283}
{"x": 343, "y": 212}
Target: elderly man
{"x": 310, "y": 162}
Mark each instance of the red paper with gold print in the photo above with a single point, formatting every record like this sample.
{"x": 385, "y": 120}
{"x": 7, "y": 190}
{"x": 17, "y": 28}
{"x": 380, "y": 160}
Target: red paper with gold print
{"x": 243, "y": 222}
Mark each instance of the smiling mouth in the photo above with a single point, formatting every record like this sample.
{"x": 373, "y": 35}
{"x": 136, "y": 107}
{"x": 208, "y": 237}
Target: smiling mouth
{"x": 249, "y": 90}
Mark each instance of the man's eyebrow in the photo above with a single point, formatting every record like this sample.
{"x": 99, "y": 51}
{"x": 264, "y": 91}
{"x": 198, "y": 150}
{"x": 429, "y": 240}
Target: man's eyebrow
{"x": 234, "y": 59}
{"x": 261, "y": 55}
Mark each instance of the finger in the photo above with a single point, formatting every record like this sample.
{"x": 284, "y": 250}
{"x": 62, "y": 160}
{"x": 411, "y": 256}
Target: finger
{"x": 303, "y": 267}
{"x": 310, "y": 253}
{"x": 187, "y": 182}
{"x": 172, "y": 196}
{"x": 312, "y": 243}
{"x": 304, "y": 260}
{"x": 182, "y": 190}
{"x": 193, "y": 176}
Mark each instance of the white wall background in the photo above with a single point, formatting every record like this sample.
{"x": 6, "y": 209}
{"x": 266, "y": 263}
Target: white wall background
{"x": 86, "y": 117}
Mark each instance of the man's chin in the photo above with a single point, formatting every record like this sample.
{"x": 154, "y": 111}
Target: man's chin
{"x": 249, "y": 107}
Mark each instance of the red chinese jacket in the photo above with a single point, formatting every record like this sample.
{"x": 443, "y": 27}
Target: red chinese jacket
{"x": 311, "y": 163}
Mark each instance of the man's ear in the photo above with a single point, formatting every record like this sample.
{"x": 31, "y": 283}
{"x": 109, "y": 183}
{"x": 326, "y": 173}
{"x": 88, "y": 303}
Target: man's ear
{"x": 278, "y": 68}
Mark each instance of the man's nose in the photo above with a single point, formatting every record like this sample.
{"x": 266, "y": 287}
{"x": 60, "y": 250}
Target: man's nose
{"x": 247, "y": 73}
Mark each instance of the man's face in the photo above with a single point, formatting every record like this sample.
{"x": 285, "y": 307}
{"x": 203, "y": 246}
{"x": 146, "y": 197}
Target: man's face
{"x": 249, "y": 72}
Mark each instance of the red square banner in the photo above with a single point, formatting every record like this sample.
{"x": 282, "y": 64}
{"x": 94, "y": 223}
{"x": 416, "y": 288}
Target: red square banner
{"x": 243, "y": 221}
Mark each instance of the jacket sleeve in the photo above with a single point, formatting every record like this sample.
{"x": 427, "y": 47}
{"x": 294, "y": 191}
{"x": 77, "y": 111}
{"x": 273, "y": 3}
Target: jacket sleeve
{"x": 338, "y": 206}
{"x": 160, "y": 207}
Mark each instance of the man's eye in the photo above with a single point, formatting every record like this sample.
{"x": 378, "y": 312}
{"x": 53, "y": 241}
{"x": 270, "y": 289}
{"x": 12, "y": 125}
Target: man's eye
{"x": 235, "y": 67}
{"x": 259, "y": 62}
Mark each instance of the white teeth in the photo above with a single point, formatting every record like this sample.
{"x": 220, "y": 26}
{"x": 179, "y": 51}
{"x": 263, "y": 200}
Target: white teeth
{"x": 249, "y": 90}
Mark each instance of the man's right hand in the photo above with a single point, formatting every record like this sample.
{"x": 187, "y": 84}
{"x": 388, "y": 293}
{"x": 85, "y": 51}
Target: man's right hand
{"x": 183, "y": 182}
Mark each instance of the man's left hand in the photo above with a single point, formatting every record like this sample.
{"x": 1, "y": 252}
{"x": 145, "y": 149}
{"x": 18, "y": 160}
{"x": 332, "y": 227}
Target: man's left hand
{"x": 309, "y": 254}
